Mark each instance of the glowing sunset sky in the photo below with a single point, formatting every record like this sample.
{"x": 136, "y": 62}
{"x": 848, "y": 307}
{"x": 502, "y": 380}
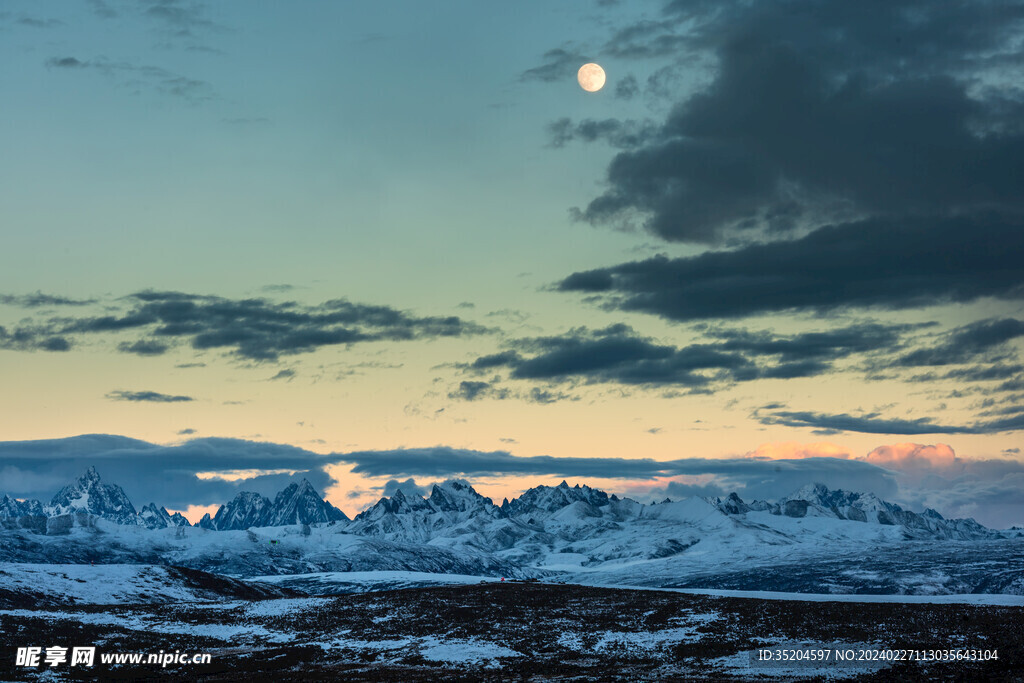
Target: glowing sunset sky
{"x": 392, "y": 241}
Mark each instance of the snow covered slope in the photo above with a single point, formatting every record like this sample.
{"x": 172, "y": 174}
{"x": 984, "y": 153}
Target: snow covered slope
{"x": 815, "y": 540}
{"x": 34, "y": 585}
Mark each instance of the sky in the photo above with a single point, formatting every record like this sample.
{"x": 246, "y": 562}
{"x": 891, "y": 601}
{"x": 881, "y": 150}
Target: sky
{"x": 387, "y": 244}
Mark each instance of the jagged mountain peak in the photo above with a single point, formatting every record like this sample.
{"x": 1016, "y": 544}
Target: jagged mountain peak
{"x": 90, "y": 494}
{"x": 732, "y": 504}
{"x": 12, "y": 507}
{"x": 817, "y": 500}
{"x": 155, "y": 517}
{"x": 549, "y": 499}
{"x": 303, "y": 487}
{"x": 206, "y": 522}
{"x": 300, "y": 503}
{"x": 809, "y": 491}
{"x": 245, "y": 510}
{"x": 841, "y": 502}
{"x": 456, "y": 495}
{"x": 297, "y": 503}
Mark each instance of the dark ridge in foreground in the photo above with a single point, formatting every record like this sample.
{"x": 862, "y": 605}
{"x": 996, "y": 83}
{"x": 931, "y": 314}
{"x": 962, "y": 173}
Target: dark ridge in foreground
{"x": 523, "y": 632}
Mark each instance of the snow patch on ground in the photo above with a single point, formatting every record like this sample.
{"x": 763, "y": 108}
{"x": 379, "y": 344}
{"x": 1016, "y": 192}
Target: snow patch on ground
{"x": 154, "y": 625}
{"x": 275, "y": 608}
{"x": 646, "y": 640}
{"x": 465, "y": 651}
{"x": 360, "y": 582}
{"x": 688, "y": 631}
{"x": 461, "y": 651}
{"x": 102, "y": 584}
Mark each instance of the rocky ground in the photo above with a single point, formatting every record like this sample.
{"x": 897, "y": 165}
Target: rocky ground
{"x": 515, "y": 631}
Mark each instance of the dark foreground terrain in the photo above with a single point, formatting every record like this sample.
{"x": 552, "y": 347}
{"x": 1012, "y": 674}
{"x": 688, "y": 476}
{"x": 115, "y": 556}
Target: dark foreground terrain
{"x": 515, "y": 631}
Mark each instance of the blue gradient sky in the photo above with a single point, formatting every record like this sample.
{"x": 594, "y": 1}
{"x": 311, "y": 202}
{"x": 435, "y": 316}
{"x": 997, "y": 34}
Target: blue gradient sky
{"x": 440, "y": 161}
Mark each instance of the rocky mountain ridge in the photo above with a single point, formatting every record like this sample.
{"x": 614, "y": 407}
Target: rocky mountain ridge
{"x": 815, "y": 540}
{"x": 455, "y": 504}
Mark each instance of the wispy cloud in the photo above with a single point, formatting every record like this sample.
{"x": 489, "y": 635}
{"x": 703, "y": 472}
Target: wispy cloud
{"x": 559, "y": 64}
{"x": 147, "y": 397}
{"x": 615, "y": 132}
{"x": 140, "y": 77}
{"x": 39, "y": 300}
{"x": 618, "y": 354}
{"x": 874, "y": 423}
{"x": 254, "y": 329}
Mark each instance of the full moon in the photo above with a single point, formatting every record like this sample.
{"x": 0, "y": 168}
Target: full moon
{"x": 591, "y": 77}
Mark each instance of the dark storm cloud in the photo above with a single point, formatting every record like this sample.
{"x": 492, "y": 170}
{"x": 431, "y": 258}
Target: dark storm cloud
{"x": 872, "y": 423}
{"x": 39, "y": 299}
{"x": 143, "y": 347}
{"x": 832, "y": 344}
{"x": 967, "y": 343}
{"x": 147, "y": 397}
{"x": 677, "y": 490}
{"x": 495, "y": 360}
{"x": 985, "y": 373}
{"x": 846, "y": 156}
{"x": 1012, "y": 385}
{"x": 443, "y": 462}
{"x": 622, "y": 134}
{"x": 148, "y": 472}
{"x": 166, "y": 474}
{"x": 559, "y": 64}
{"x": 617, "y": 354}
{"x": 817, "y": 110}
{"x": 409, "y": 487}
{"x": 32, "y": 338}
{"x": 879, "y": 36}
{"x": 470, "y": 391}
{"x": 879, "y": 262}
{"x": 254, "y": 329}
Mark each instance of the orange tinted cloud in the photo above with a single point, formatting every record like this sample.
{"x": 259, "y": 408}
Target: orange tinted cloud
{"x": 914, "y": 456}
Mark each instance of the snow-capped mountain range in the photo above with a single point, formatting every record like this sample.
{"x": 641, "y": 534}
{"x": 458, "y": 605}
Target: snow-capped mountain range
{"x": 456, "y": 505}
{"x": 296, "y": 504}
{"x": 815, "y": 539}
